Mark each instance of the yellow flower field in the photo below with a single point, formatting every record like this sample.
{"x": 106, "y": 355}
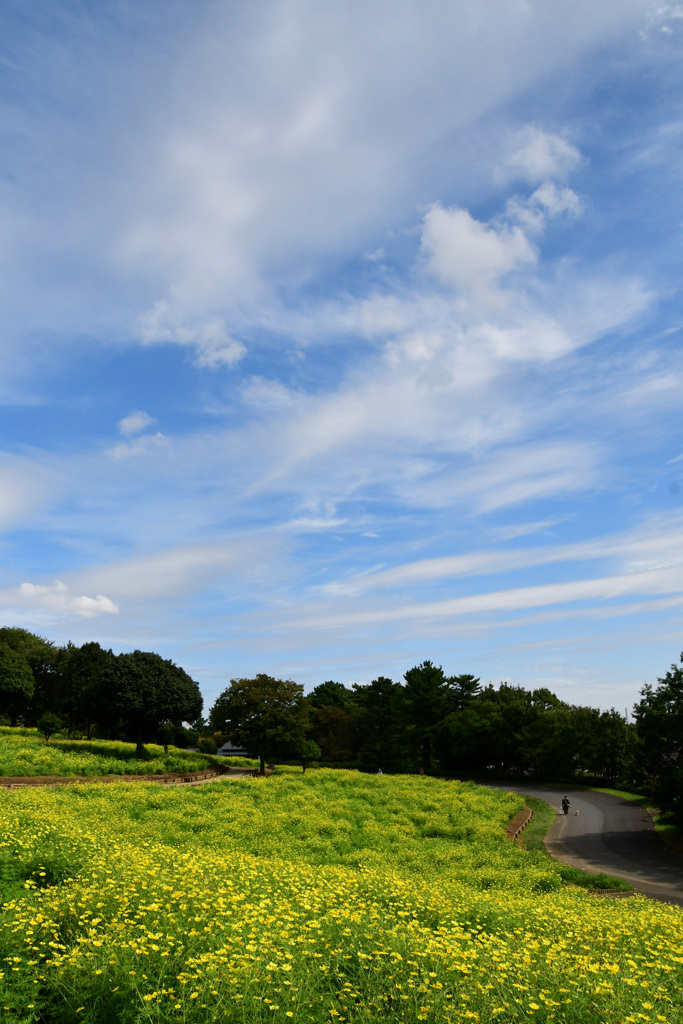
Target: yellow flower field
{"x": 24, "y": 752}
{"x": 325, "y": 897}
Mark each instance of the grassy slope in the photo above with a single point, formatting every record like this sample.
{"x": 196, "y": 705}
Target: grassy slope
{"x": 23, "y": 752}
{"x": 330, "y": 896}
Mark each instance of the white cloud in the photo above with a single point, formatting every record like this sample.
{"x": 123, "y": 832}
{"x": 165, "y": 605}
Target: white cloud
{"x": 539, "y": 156}
{"x": 539, "y": 338}
{"x": 511, "y": 475}
{"x": 607, "y": 588}
{"x": 148, "y": 444}
{"x": 556, "y": 200}
{"x": 268, "y": 395}
{"x": 270, "y": 143}
{"x": 658, "y": 17}
{"x": 374, "y": 317}
{"x": 470, "y": 256}
{"x": 212, "y": 344}
{"x": 547, "y": 201}
{"x": 134, "y": 422}
{"x": 58, "y": 598}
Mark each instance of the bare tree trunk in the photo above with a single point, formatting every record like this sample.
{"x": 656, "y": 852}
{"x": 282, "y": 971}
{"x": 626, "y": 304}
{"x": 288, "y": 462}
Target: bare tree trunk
{"x": 262, "y": 758}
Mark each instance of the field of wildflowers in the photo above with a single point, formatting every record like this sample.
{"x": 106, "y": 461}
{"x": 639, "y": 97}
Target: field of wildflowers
{"x": 324, "y": 897}
{"x": 24, "y": 752}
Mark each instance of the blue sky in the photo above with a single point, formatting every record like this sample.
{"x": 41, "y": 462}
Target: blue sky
{"x": 340, "y": 336}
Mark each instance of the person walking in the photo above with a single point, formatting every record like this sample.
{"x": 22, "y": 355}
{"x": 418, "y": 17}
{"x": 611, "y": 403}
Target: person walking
{"x": 565, "y": 804}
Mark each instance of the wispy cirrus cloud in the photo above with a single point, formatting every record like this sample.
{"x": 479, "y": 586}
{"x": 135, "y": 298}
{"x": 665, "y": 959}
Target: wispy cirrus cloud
{"x": 398, "y": 288}
{"x": 656, "y": 545}
{"x": 653, "y": 582}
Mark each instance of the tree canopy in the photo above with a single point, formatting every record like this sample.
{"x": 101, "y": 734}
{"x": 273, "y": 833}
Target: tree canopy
{"x": 269, "y": 717}
{"x": 148, "y": 690}
{"x": 17, "y": 684}
{"x": 659, "y": 717}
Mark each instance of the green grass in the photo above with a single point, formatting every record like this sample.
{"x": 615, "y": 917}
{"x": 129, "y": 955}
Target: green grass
{"x": 534, "y": 834}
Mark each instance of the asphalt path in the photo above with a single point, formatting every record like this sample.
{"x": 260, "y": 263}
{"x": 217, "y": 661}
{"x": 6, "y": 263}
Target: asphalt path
{"x": 611, "y": 835}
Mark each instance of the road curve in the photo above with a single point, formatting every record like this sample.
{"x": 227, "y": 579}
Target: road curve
{"x": 613, "y": 835}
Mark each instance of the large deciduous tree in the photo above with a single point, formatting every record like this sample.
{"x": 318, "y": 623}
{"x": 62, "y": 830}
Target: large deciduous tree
{"x": 266, "y": 716}
{"x": 148, "y": 690}
{"x": 42, "y": 657}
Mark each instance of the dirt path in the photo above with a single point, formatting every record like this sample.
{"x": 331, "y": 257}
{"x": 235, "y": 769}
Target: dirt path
{"x": 611, "y": 835}
{"x": 228, "y": 774}
{"x": 236, "y": 773}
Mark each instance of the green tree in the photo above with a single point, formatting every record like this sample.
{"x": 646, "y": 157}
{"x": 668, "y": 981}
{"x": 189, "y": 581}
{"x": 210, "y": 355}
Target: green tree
{"x": 16, "y": 683}
{"x": 659, "y": 720}
{"x": 334, "y": 723}
{"x": 462, "y": 690}
{"x": 378, "y": 710}
{"x": 465, "y": 740}
{"x": 166, "y": 734}
{"x": 498, "y": 729}
{"x": 330, "y": 694}
{"x": 334, "y": 730}
{"x": 147, "y": 690}
{"x": 207, "y": 745}
{"x": 264, "y": 715}
{"x": 42, "y": 656}
{"x": 307, "y": 752}
{"x": 88, "y": 673}
{"x": 425, "y": 702}
{"x": 48, "y": 724}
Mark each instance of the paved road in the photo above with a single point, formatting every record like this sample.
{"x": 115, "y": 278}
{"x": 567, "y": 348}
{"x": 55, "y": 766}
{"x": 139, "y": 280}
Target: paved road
{"x": 613, "y": 835}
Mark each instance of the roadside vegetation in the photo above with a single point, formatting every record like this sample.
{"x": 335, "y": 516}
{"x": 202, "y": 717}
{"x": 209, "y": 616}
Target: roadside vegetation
{"x": 328, "y": 896}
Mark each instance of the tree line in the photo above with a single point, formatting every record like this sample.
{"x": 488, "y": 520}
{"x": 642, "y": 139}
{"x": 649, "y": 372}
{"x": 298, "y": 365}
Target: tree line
{"x": 432, "y": 722}
{"x": 88, "y": 690}
{"x": 429, "y": 721}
